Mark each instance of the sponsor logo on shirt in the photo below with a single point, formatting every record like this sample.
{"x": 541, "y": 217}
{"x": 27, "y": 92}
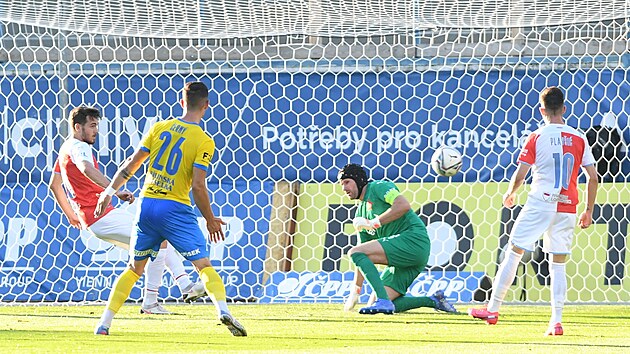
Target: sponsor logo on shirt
{"x": 560, "y": 198}
{"x": 155, "y": 190}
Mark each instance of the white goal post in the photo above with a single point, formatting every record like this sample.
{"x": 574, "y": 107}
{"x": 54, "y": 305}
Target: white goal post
{"x": 299, "y": 89}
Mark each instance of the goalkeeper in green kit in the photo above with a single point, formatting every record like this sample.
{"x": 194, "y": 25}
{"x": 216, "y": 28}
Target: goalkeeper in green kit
{"x": 391, "y": 234}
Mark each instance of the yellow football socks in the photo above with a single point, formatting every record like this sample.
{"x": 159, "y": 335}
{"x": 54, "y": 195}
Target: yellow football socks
{"x": 213, "y": 284}
{"x": 122, "y": 289}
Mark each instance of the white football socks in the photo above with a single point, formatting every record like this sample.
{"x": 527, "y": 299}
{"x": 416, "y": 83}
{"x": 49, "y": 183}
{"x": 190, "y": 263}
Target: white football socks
{"x": 557, "y": 272}
{"x": 106, "y": 318}
{"x": 176, "y": 267}
{"x": 221, "y": 307}
{"x": 504, "y": 278}
{"x": 153, "y": 278}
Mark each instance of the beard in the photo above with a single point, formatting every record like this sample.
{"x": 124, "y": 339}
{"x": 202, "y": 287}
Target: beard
{"x": 89, "y": 139}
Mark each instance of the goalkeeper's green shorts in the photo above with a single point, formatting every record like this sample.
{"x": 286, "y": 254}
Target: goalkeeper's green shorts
{"x": 407, "y": 255}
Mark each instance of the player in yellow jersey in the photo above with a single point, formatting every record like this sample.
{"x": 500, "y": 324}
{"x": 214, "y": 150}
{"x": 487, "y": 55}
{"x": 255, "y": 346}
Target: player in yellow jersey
{"x": 179, "y": 153}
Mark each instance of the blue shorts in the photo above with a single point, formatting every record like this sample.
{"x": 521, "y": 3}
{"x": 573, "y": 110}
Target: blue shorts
{"x": 160, "y": 219}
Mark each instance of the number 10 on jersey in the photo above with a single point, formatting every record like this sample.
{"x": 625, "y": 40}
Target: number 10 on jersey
{"x": 563, "y": 166}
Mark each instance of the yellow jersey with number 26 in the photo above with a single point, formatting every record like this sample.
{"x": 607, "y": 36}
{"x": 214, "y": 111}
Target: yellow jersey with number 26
{"x": 176, "y": 147}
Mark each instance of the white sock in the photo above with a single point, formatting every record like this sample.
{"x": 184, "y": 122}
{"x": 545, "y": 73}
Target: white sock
{"x": 503, "y": 280}
{"x": 221, "y": 307}
{"x": 153, "y": 278}
{"x": 558, "y": 275}
{"x": 176, "y": 267}
{"x": 107, "y": 317}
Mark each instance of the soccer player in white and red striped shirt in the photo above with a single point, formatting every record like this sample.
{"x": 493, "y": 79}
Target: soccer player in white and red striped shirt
{"x": 554, "y": 153}
{"x": 76, "y": 170}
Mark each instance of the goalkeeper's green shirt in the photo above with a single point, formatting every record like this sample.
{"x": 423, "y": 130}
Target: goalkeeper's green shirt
{"x": 379, "y": 197}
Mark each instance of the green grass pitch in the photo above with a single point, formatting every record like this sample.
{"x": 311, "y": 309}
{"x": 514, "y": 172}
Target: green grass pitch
{"x": 312, "y": 328}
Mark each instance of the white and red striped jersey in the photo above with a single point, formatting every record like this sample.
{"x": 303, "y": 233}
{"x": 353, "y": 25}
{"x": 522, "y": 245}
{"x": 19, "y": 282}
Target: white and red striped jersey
{"x": 555, "y": 152}
{"x": 83, "y": 193}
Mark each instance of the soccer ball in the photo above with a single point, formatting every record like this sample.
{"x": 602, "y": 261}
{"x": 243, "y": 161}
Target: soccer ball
{"x": 446, "y": 161}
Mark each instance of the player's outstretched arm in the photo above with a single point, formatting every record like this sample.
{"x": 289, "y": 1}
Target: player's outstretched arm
{"x": 125, "y": 171}
{"x": 96, "y": 176}
{"x": 202, "y": 201}
{"x": 586, "y": 218}
{"x": 56, "y": 187}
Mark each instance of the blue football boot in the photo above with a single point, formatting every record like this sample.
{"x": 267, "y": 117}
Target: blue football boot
{"x": 385, "y": 306}
{"x": 440, "y": 302}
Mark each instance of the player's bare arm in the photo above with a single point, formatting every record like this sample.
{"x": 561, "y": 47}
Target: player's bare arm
{"x": 56, "y": 187}
{"x": 202, "y": 201}
{"x": 92, "y": 173}
{"x": 125, "y": 171}
{"x": 586, "y": 218}
{"x": 518, "y": 178}
{"x": 96, "y": 176}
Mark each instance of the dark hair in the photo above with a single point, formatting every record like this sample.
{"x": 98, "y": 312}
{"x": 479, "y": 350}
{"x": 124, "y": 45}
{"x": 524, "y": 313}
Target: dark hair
{"x": 79, "y": 115}
{"x": 552, "y": 99}
{"x": 195, "y": 94}
{"x": 356, "y": 173}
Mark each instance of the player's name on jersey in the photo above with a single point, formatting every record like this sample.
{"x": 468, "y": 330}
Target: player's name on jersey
{"x": 562, "y": 140}
{"x": 178, "y": 128}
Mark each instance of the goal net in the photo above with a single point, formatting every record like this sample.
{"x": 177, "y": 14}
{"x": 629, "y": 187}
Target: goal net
{"x": 298, "y": 90}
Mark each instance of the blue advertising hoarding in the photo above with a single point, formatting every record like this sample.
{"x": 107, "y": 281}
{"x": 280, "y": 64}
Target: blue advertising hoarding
{"x": 267, "y": 127}
{"x": 44, "y": 259}
{"x": 335, "y": 286}
{"x": 305, "y": 126}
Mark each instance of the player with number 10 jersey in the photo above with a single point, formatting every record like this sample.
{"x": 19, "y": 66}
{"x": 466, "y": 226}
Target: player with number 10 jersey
{"x": 555, "y": 152}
